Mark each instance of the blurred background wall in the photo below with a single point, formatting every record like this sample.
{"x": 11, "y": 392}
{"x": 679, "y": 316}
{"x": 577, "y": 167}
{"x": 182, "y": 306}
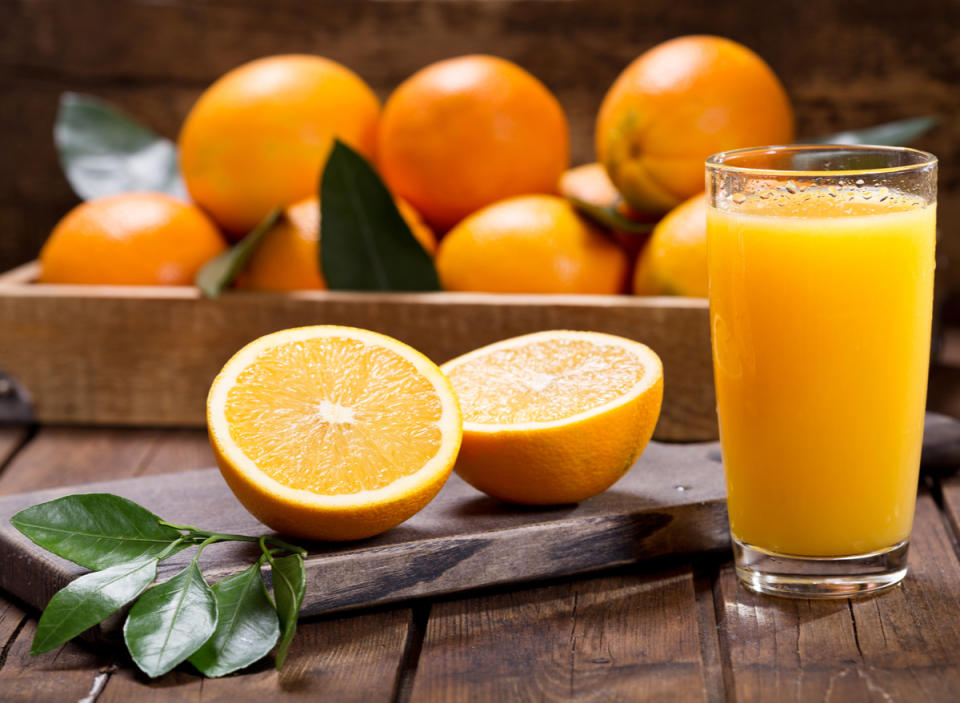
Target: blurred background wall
{"x": 845, "y": 65}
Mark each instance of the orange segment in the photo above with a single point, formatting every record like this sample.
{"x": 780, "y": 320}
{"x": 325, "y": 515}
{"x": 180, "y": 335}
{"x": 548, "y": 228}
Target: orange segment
{"x": 545, "y": 380}
{"x": 555, "y": 417}
{"x": 333, "y": 432}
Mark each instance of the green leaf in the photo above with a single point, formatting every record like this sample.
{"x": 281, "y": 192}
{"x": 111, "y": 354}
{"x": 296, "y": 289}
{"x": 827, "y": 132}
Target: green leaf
{"x": 609, "y": 217}
{"x": 170, "y": 622}
{"x": 289, "y": 587}
{"x": 104, "y": 151}
{"x": 366, "y": 243}
{"x": 247, "y": 625}
{"x": 899, "y": 133}
{"x": 87, "y": 600}
{"x": 218, "y": 273}
{"x": 95, "y": 530}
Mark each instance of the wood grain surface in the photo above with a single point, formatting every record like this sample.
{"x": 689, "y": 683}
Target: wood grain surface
{"x": 633, "y": 637}
{"x": 671, "y": 502}
{"x": 147, "y": 355}
{"x": 894, "y": 647}
{"x": 674, "y": 630}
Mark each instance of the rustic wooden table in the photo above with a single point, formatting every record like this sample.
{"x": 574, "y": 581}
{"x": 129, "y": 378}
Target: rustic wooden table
{"x": 680, "y": 629}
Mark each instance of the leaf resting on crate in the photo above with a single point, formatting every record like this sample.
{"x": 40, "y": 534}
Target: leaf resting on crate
{"x": 366, "y": 243}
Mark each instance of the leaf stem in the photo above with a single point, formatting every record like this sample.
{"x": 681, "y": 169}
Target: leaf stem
{"x": 204, "y": 543}
{"x": 171, "y": 549}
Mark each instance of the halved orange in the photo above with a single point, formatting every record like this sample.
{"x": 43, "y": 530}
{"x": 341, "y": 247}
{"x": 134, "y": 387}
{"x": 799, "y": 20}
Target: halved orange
{"x": 333, "y": 433}
{"x": 554, "y": 417}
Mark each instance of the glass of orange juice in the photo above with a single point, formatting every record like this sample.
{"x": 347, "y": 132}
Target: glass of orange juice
{"x": 821, "y": 266}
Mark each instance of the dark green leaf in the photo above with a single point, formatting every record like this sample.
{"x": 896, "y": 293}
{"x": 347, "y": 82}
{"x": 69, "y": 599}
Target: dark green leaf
{"x": 289, "y": 587}
{"x": 95, "y": 530}
{"x": 89, "y": 599}
{"x": 218, "y": 273}
{"x": 899, "y": 133}
{"x": 170, "y": 622}
{"x": 247, "y": 625}
{"x": 105, "y": 152}
{"x": 366, "y": 243}
{"x": 609, "y": 217}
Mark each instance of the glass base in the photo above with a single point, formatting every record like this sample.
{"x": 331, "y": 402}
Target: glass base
{"x": 791, "y": 576}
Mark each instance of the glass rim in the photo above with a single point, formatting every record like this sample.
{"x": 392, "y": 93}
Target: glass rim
{"x": 717, "y": 162}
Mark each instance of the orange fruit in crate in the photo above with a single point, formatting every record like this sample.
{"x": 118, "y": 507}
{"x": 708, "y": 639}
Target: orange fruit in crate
{"x": 674, "y": 259}
{"x": 554, "y": 417}
{"x": 591, "y": 184}
{"x": 530, "y": 244}
{"x": 463, "y": 133}
{"x": 286, "y": 258}
{"x": 259, "y": 136}
{"x": 332, "y": 433}
{"x": 130, "y": 239}
{"x": 677, "y": 104}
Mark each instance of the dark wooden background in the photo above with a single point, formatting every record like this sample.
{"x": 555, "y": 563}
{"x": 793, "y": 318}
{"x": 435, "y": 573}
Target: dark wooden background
{"x": 845, "y": 65}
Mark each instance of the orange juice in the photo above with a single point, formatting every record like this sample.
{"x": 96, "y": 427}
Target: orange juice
{"x": 821, "y": 303}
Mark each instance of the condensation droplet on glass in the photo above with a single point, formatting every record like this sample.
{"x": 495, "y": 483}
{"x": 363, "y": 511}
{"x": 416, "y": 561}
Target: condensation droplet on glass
{"x": 738, "y": 198}
{"x": 682, "y": 489}
{"x": 884, "y": 193}
{"x": 859, "y": 182}
{"x": 765, "y": 194}
{"x": 792, "y": 187}
{"x": 832, "y": 191}
{"x": 867, "y": 195}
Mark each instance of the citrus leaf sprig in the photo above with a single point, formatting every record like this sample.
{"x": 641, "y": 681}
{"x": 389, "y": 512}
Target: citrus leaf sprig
{"x": 219, "y": 629}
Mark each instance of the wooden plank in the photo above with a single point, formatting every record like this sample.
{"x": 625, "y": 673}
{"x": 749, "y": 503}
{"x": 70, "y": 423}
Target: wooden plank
{"x": 10, "y": 440}
{"x": 64, "y": 456}
{"x": 146, "y": 355}
{"x": 354, "y": 659}
{"x": 178, "y": 450}
{"x": 670, "y": 502}
{"x": 621, "y": 638}
{"x": 67, "y": 674}
{"x": 897, "y": 646}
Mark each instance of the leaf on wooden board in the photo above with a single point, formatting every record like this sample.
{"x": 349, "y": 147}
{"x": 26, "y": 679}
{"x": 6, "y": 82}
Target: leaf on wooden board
{"x": 170, "y": 622}
{"x": 104, "y": 151}
{"x": 898, "y": 133}
{"x": 218, "y": 273}
{"x": 610, "y": 218}
{"x": 87, "y": 600}
{"x": 366, "y": 243}
{"x": 289, "y": 586}
{"x": 247, "y": 625}
{"x": 95, "y": 530}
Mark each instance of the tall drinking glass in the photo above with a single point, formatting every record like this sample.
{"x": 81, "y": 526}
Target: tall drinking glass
{"x": 821, "y": 293}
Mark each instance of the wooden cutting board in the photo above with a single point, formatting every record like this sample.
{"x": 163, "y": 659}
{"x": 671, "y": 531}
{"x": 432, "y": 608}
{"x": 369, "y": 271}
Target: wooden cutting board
{"x": 671, "y": 502}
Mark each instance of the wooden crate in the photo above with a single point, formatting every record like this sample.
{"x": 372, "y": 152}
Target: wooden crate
{"x": 138, "y": 355}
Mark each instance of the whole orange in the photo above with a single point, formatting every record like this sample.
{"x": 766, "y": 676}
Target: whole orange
{"x": 258, "y": 137}
{"x": 287, "y": 259}
{"x": 530, "y": 244}
{"x": 130, "y": 239}
{"x": 674, "y": 259}
{"x": 466, "y": 132}
{"x": 591, "y": 184}
{"x": 677, "y": 104}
